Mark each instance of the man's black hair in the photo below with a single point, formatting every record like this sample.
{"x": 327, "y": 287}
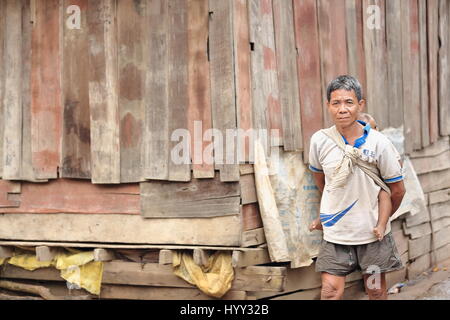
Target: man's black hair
{"x": 345, "y": 82}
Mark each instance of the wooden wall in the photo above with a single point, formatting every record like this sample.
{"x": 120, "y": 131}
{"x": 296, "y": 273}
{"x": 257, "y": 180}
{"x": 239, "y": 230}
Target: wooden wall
{"x": 102, "y": 101}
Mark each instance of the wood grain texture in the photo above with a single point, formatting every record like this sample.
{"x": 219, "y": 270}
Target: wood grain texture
{"x": 199, "y": 109}
{"x": 394, "y": 62}
{"x": 156, "y": 128}
{"x": 265, "y": 92}
{"x": 433, "y": 51}
{"x": 195, "y": 199}
{"x": 27, "y": 168}
{"x": 76, "y": 135}
{"x": 120, "y": 228}
{"x": 12, "y": 95}
{"x": 46, "y": 109}
{"x": 178, "y": 89}
{"x": 376, "y": 65}
{"x": 2, "y": 77}
{"x": 355, "y": 40}
{"x": 103, "y": 89}
{"x": 76, "y": 197}
{"x": 221, "y": 47}
{"x": 308, "y": 67}
{"x": 411, "y": 68}
{"x": 444, "y": 68}
{"x": 286, "y": 54}
{"x": 333, "y": 48}
{"x": 131, "y": 24}
{"x": 424, "y": 70}
{"x": 242, "y": 70}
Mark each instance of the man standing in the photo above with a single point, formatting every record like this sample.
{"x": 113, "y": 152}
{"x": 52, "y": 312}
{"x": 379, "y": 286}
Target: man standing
{"x": 349, "y": 208}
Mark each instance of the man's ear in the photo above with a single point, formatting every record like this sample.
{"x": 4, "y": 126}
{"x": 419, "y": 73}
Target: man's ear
{"x": 362, "y": 105}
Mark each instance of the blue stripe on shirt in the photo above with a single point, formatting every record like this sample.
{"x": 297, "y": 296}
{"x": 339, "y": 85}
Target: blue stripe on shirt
{"x": 396, "y": 179}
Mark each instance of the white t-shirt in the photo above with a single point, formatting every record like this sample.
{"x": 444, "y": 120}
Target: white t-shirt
{"x": 350, "y": 214}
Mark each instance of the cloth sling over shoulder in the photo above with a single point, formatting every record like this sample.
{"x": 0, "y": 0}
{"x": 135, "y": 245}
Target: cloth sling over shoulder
{"x": 351, "y": 157}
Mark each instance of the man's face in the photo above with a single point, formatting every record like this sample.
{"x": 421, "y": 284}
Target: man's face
{"x": 344, "y": 107}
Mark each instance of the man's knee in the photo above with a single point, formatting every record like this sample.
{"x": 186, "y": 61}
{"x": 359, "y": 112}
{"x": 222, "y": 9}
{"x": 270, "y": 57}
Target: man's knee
{"x": 331, "y": 292}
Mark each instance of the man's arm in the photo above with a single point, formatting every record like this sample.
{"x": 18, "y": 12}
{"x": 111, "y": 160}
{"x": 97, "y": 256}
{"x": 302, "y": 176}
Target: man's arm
{"x": 397, "y": 193}
{"x": 319, "y": 178}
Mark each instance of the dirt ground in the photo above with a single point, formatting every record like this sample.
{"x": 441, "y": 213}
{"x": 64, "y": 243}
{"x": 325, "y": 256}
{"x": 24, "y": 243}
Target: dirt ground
{"x": 434, "y": 284}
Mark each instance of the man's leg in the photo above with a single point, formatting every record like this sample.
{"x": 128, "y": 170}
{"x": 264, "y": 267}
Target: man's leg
{"x": 332, "y": 287}
{"x": 376, "y": 286}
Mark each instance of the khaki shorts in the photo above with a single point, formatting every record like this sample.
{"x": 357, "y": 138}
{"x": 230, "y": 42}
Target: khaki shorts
{"x": 376, "y": 257}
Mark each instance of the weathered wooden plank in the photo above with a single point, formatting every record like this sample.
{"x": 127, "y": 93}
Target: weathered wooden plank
{"x": 440, "y": 210}
{"x": 44, "y": 253}
{"x": 441, "y": 223}
{"x": 103, "y": 91}
{"x": 253, "y": 237}
{"x": 223, "y": 88}
{"x": 190, "y": 209}
{"x": 75, "y": 196}
{"x": 444, "y": 68}
{"x": 131, "y": 25}
{"x": 439, "y": 196}
{"x": 118, "y": 228}
{"x": 308, "y": 67}
{"x": 248, "y": 189}
{"x": 376, "y": 62}
{"x": 149, "y": 293}
{"x": 333, "y": 49}
{"x": 246, "y": 168}
{"x": 441, "y": 237}
{"x": 156, "y": 275}
{"x": 433, "y": 50}
{"x": 12, "y": 96}
{"x": 27, "y": 169}
{"x": 438, "y": 147}
{"x": 418, "y": 266}
{"x": 410, "y": 67}
{"x": 355, "y": 40}
{"x": 6, "y": 252}
{"x": 9, "y": 194}
{"x": 251, "y": 218}
{"x": 178, "y": 99}
{"x": 424, "y": 70}
{"x": 265, "y": 93}
{"x": 199, "y": 109}
{"x": 418, "y": 218}
{"x": 401, "y": 241}
{"x": 2, "y": 77}
{"x": 101, "y": 254}
{"x": 156, "y": 128}
{"x": 76, "y": 135}
{"x": 434, "y": 181}
{"x": 165, "y": 256}
{"x": 417, "y": 231}
{"x": 443, "y": 253}
{"x": 242, "y": 70}
{"x": 286, "y": 55}
{"x": 198, "y": 198}
{"x": 46, "y": 106}
{"x": 394, "y": 62}
{"x": 430, "y": 164}
{"x": 250, "y": 258}
{"x": 419, "y": 247}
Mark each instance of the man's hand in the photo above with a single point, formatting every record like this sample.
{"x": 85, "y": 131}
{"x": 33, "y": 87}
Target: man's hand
{"x": 315, "y": 225}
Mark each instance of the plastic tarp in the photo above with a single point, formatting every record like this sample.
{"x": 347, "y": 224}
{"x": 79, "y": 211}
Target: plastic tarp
{"x": 214, "y": 279}
{"x": 289, "y": 201}
{"x": 79, "y": 269}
